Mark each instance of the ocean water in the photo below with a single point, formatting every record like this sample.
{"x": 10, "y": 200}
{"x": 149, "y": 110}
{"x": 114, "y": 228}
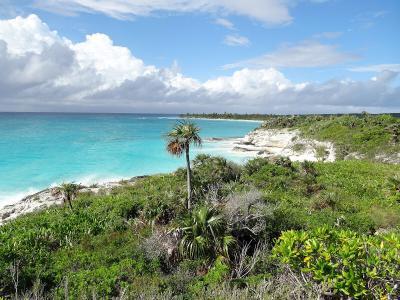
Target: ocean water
{"x": 38, "y": 150}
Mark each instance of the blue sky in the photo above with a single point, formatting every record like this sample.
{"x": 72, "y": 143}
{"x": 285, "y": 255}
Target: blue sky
{"x": 313, "y": 41}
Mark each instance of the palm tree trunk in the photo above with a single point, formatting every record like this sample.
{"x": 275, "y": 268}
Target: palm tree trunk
{"x": 188, "y": 178}
{"x": 70, "y": 203}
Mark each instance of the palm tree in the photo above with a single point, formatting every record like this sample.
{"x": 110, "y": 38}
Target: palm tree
{"x": 205, "y": 234}
{"x": 179, "y": 140}
{"x": 69, "y": 191}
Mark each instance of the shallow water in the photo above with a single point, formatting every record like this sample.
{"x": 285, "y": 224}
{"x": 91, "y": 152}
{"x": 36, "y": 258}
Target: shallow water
{"x": 38, "y": 150}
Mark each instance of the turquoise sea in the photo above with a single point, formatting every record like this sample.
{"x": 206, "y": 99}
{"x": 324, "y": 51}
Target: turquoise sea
{"x": 38, "y": 150}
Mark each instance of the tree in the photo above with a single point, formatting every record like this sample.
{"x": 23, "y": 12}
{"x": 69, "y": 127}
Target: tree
{"x": 69, "y": 191}
{"x": 205, "y": 235}
{"x": 179, "y": 139}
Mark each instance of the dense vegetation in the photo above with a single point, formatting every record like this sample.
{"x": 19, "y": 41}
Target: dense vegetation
{"x": 269, "y": 229}
{"x": 228, "y": 116}
{"x": 263, "y": 117}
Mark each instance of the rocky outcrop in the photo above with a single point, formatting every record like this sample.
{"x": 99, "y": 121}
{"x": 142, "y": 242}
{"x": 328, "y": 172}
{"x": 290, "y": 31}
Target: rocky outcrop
{"x": 50, "y": 197}
{"x": 393, "y": 158}
{"x": 282, "y": 142}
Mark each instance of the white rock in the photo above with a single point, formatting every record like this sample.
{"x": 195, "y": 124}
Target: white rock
{"x": 279, "y": 142}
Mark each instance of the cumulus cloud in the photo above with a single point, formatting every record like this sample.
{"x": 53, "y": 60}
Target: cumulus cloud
{"x": 27, "y": 35}
{"x": 305, "y": 54}
{"x": 42, "y": 71}
{"x": 236, "y": 40}
{"x": 266, "y": 11}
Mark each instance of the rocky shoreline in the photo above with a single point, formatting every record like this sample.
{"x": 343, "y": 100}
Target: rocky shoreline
{"x": 280, "y": 142}
{"x": 260, "y": 142}
{"x": 52, "y": 196}
{"x": 264, "y": 142}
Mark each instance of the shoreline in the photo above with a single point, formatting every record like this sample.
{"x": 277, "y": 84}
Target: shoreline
{"x": 51, "y": 196}
{"x": 257, "y": 143}
{"x": 85, "y": 181}
{"x": 271, "y": 143}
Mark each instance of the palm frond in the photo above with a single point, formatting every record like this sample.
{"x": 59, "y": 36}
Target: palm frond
{"x": 227, "y": 242}
{"x": 186, "y": 133}
{"x": 175, "y": 147}
{"x": 205, "y": 234}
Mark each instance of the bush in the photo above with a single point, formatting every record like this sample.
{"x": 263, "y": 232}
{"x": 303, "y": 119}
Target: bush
{"x": 205, "y": 235}
{"x": 349, "y": 264}
{"x": 209, "y": 171}
{"x": 255, "y": 165}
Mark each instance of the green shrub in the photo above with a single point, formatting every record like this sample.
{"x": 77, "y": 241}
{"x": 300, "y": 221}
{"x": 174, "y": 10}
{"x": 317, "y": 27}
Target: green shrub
{"x": 215, "y": 276}
{"x": 321, "y": 153}
{"x": 284, "y": 162}
{"x": 349, "y": 264}
{"x": 255, "y": 165}
{"x": 205, "y": 235}
{"x": 299, "y": 147}
{"x": 211, "y": 171}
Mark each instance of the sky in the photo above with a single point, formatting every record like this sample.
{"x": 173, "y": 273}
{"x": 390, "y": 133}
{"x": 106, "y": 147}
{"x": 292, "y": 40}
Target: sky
{"x": 177, "y": 56}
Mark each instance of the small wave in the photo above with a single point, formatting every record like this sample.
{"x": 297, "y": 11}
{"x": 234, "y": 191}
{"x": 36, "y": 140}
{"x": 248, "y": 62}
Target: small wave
{"x": 169, "y": 118}
{"x": 86, "y": 180}
{"x": 11, "y": 198}
{"x": 90, "y": 179}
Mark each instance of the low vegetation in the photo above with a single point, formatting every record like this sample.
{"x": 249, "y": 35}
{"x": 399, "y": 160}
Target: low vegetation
{"x": 366, "y": 136}
{"x": 269, "y": 229}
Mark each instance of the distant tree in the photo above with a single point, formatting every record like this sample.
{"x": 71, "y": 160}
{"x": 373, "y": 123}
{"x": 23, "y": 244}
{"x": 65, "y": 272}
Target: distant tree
{"x": 179, "y": 139}
{"x": 69, "y": 192}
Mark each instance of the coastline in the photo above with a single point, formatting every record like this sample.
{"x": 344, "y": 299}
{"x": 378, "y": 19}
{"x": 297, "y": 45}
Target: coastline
{"x": 84, "y": 180}
{"x": 51, "y": 196}
{"x": 54, "y": 148}
{"x": 257, "y": 143}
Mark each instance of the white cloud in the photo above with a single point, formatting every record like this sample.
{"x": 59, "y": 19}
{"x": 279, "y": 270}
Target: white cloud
{"x": 266, "y": 11}
{"x": 41, "y": 71}
{"x": 306, "y": 54}
{"x": 236, "y": 40}
{"x": 114, "y": 63}
{"x": 27, "y": 35}
{"x": 252, "y": 83}
{"x": 225, "y": 23}
{"x": 377, "y": 68}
